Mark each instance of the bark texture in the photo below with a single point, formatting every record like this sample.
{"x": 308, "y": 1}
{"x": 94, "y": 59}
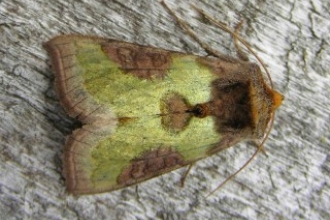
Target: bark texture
{"x": 291, "y": 182}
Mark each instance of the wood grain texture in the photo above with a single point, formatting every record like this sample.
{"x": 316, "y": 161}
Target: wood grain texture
{"x": 291, "y": 182}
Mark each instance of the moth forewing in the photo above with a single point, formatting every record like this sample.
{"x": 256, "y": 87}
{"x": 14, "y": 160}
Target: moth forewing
{"x": 140, "y": 114}
{"x": 146, "y": 111}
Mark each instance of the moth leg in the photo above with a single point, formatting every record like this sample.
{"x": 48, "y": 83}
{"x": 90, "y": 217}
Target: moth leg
{"x": 187, "y": 29}
{"x": 237, "y": 38}
{"x": 235, "y": 34}
{"x": 240, "y": 53}
{"x": 183, "y": 178}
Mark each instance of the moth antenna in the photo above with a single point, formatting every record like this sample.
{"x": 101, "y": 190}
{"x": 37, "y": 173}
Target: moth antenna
{"x": 236, "y": 37}
{"x": 238, "y": 171}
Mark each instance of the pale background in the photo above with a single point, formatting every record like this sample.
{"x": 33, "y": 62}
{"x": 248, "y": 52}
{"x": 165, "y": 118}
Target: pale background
{"x": 291, "y": 182}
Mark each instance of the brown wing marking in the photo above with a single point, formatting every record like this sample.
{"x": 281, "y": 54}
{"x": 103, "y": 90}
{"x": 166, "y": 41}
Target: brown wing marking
{"x": 151, "y": 164}
{"x": 140, "y": 61}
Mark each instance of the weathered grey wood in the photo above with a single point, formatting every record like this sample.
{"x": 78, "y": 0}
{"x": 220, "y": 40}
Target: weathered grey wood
{"x": 292, "y": 182}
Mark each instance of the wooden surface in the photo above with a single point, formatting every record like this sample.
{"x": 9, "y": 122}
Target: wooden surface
{"x": 291, "y": 182}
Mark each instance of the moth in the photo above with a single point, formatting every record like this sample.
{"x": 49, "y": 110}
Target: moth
{"x": 147, "y": 111}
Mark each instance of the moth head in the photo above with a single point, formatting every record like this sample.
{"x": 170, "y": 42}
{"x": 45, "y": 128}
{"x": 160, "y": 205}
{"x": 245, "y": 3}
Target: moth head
{"x": 264, "y": 101}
